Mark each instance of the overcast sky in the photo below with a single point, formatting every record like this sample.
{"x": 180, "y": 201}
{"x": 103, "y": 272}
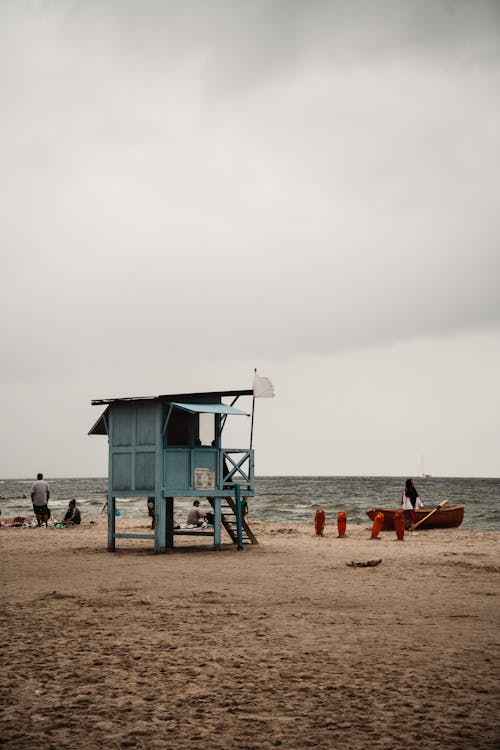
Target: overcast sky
{"x": 191, "y": 189}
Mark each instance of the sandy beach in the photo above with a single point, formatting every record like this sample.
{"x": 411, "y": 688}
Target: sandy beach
{"x": 280, "y": 645}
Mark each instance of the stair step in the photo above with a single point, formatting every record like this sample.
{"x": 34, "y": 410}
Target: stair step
{"x": 230, "y": 523}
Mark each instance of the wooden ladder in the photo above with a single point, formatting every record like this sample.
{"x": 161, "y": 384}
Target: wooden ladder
{"x": 228, "y": 519}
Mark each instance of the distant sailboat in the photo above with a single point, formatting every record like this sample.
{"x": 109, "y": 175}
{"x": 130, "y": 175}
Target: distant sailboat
{"x": 423, "y": 472}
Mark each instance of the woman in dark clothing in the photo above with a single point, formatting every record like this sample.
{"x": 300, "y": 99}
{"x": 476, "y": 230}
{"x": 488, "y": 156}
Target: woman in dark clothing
{"x": 151, "y": 510}
{"x": 410, "y": 501}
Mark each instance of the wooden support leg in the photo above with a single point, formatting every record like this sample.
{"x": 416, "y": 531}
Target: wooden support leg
{"x": 169, "y": 533}
{"x": 111, "y": 523}
{"x": 239, "y": 517}
{"x": 217, "y": 523}
{"x": 160, "y": 525}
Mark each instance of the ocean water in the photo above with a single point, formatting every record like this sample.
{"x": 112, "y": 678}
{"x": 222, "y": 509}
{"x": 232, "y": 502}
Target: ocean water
{"x": 282, "y": 499}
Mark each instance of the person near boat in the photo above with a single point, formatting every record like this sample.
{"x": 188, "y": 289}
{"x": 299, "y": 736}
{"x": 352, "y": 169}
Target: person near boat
{"x": 410, "y": 502}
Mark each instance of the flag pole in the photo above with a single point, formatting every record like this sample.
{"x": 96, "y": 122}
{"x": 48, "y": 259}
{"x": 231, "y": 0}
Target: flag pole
{"x": 253, "y": 408}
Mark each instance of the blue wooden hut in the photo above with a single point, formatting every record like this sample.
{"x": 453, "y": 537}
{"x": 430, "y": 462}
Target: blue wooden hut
{"x": 171, "y": 446}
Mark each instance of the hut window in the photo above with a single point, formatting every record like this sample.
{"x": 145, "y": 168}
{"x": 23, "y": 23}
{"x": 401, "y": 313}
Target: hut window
{"x": 180, "y": 427}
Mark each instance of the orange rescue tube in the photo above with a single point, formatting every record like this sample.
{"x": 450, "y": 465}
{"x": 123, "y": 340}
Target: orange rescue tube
{"x": 377, "y": 525}
{"x": 319, "y": 521}
{"x": 341, "y": 523}
{"x": 399, "y": 525}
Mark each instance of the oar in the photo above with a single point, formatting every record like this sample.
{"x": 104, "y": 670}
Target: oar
{"x": 443, "y": 502}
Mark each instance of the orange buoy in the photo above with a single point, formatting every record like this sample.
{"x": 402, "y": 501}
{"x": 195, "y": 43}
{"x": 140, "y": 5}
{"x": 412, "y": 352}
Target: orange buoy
{"x": 341, "y": 523}
{"x": 399, "y": 525}
{"x": 377, "y": 525}
{"x": 319, "y": 521}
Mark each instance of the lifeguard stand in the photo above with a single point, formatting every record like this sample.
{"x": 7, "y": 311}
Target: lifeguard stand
{"x": 171, "y": 446}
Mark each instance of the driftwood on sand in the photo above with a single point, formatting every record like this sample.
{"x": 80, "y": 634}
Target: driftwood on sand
{"x": 368, "y": 564}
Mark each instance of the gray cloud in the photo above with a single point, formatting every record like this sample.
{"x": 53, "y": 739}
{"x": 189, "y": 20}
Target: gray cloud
{"x": 239, "y": 181}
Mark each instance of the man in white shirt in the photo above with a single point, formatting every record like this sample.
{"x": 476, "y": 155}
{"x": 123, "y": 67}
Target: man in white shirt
{"x": 40, "y": 493}
{"x": 195, "y": 516}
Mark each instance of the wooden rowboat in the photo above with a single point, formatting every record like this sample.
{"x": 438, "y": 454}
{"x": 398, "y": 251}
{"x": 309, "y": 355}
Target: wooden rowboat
{"x": 444, "y": 518}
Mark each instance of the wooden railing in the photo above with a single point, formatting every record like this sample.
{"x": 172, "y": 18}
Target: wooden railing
{"x": 237, "y": 468}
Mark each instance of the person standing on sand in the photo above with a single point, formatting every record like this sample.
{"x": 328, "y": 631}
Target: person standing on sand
{"x": 244, "y": 508}
{"x": 410, "y": 502}
{"x": 40, "y": 493}
{"x": 151, "y": 510}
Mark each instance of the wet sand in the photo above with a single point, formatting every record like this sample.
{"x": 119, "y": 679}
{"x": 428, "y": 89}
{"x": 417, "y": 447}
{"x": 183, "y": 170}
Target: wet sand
{"x": 280, "y": 645}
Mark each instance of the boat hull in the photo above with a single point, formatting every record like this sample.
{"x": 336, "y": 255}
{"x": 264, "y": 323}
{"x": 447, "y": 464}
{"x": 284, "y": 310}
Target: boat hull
{"x": 444, "y": 518}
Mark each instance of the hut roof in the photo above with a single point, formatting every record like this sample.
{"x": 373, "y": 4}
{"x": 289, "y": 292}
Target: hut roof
{"x": 179, "y": 397}
{"x": 207, "y": 401}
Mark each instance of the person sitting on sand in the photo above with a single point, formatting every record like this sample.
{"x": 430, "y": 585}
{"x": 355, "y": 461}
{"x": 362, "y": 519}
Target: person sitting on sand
{"x": 72, "y": 517}
{"x": 410, "y": 501}
{"x": 195, "y": 516}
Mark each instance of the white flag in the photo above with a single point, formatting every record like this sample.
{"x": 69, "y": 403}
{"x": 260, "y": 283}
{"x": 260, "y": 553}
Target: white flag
{"x": 262, "y": 387}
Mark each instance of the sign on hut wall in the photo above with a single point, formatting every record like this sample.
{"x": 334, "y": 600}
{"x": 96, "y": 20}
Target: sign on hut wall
{"x": 204, "y": 479}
